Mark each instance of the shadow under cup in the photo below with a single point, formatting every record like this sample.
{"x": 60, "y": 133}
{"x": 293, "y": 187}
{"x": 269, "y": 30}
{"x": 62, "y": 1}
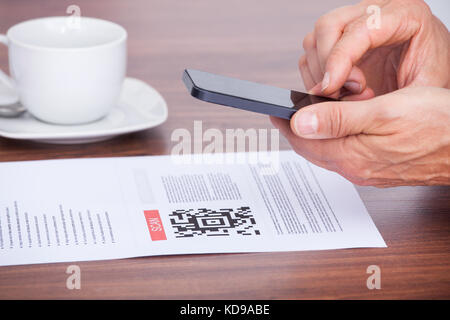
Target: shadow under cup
{"x": 68, "y": 70}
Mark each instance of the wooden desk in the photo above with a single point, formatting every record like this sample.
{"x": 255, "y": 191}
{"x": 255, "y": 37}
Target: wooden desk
{"x": 258, "y": 40}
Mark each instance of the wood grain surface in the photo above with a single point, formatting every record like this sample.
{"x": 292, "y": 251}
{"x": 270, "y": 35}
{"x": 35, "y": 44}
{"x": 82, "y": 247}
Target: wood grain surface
{"x": 257, "y": 40}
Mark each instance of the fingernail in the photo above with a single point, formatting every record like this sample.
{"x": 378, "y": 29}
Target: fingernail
{"x": 306, "y": 123}
{"x": 353, "y": 86}
{"x": 326, "y": 80}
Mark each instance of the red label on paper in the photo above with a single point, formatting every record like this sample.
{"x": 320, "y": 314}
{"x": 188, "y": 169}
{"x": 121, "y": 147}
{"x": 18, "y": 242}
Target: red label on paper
{"x": 155, "y": 225}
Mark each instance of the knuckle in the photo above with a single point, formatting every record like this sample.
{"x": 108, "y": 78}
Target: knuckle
{"x": 354, "y": 164}
{"x": 302, "y": 64}
{"x": 334, "y": 121}
{"x": 362, "y": 183}
{"x": 309, "y": 41}
{"x": 323, "y": 23}
{"x": 355, "y": 179}
{"x": 365, "y": 173}
{"x": 424, "y": 8}
{"x": 356, "y": 171}
{"x": 355, "y": 26}
{"x": 339, "y": 55}
{"x": 349, "y": 176}
{"x": 302, "y": 61}
{"x": 420, "y": 4}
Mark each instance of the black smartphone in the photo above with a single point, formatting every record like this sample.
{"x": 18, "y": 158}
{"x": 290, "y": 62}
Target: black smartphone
{"x": 246, "y": 95}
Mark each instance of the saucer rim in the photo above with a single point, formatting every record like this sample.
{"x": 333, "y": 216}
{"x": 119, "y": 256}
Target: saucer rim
{"x": 101, "y": 133}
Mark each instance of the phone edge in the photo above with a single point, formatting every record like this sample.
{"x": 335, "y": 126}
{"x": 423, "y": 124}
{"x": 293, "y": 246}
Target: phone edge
{"x": 235, "y": 102}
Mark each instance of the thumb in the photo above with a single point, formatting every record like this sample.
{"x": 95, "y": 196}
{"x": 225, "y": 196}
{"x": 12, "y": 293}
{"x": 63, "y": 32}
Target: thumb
{"x": 335, "y": 119}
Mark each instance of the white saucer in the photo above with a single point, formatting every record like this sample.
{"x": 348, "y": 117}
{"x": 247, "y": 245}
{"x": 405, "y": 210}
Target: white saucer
{"x": 140, "y": 107}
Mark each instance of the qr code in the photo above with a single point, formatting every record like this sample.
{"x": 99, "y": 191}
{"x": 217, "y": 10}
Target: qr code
{"x": 222, "y": 222}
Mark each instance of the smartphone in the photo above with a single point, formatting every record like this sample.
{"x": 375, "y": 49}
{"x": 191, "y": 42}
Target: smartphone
{"x": 246, "y": 95}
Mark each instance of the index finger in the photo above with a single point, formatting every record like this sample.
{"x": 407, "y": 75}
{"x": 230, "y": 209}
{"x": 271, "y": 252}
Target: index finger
{"x": 329, "y": 28}
{"x": 357, "y": 39}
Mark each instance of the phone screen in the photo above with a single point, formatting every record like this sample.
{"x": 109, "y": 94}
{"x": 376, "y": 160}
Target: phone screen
{"x": 253, "y": 91}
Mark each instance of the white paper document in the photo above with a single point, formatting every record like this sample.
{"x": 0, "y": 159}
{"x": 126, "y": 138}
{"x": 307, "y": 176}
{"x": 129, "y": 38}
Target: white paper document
{"x": 110, "y": 208}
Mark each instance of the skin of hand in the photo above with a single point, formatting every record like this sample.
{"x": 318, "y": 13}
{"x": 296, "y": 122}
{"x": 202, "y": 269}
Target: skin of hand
{"x": 346, "y": 57}
{"x": 401, "y": 138}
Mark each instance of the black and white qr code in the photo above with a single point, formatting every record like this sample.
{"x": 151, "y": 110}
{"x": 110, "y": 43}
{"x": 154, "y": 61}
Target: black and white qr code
{"x": 208, "y": 222}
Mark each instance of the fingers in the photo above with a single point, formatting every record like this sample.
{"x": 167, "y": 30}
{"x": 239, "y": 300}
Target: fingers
{"x": 312, "y": 59}
{"x": 307, "y": 77}
{"x": 332, "y": 154}
{"x": 318, "y": 152}
{"x": 355, "y": 83}
{"x": 342, "y": 155}
{"x": 342, "y": 58}
{"x": 336, "y": 119}
{"x": 357, "y": 38}
{"x": 328, "y": 29}
{"x": 318, "y": 45}
{"x": 368, "y": 93}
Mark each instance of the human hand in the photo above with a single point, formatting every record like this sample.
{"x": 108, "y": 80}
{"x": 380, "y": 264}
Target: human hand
{"x": 401, "y": 138}
{"x": 343, "y": 56}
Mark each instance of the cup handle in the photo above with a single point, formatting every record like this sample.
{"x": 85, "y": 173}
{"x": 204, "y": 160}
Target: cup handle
{"x": 9, "y": 97}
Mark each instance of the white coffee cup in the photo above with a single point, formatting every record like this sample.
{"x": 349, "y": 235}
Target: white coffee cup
{"x": 66, "y": 72}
